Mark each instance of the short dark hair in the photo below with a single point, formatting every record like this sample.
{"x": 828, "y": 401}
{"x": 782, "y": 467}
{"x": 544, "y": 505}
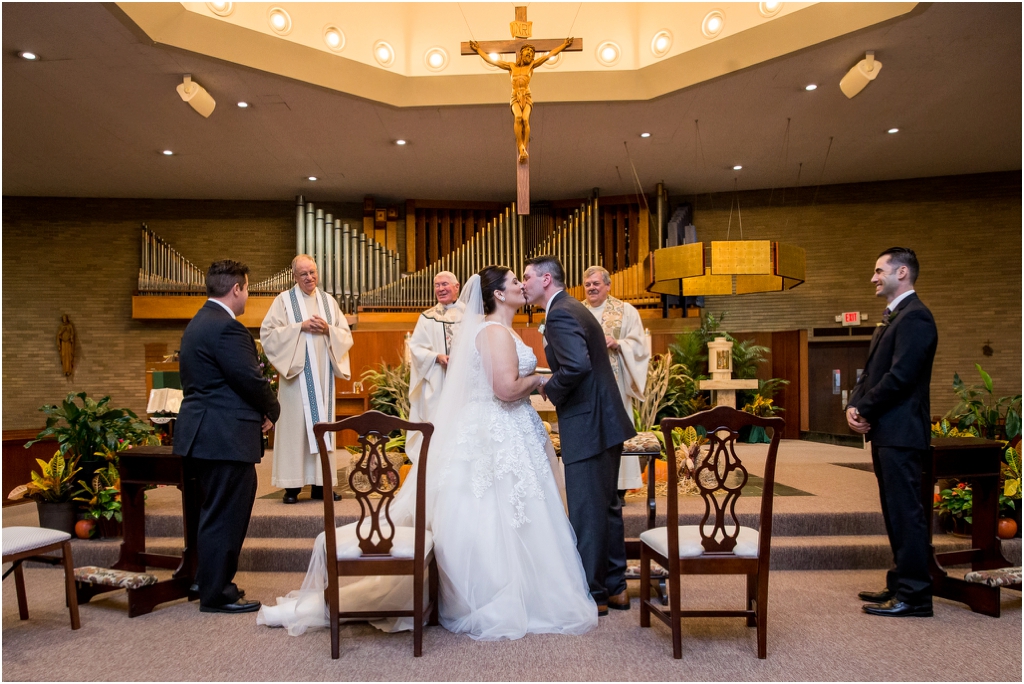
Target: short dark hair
{"x": 223, "y": 275}
{"x": 903, "y": 256}
{"x": 548, "y": 263}
{"x": 492, "y": 278}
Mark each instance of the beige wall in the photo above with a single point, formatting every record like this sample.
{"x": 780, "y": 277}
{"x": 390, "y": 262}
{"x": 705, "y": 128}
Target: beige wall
{"x": 966, "y": 232}
{"x": 81, "y": 257}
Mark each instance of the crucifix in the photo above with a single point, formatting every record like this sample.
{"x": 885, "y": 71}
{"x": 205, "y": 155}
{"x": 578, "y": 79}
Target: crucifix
{"x": 521, "y": 71}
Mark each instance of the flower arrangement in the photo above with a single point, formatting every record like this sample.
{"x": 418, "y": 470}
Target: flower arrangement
{"x": 761, "y": 406}
{"x": 268, "y": 371}
{"x": 956, "y": 502}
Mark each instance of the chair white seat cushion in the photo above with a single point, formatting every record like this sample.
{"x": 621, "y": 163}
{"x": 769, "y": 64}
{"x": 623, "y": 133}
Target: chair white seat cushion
{"x": 403, "y": 544}
{"x": 690, "y": 541}
{"x": 19, "y": 539}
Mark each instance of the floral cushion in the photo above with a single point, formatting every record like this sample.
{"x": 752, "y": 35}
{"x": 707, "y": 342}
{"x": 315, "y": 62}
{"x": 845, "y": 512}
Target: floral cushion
{"x": 1003, "y": 577}
{"x": 108, "y": 577}
{"x": 633, "y": 571}
{"x": 643, "y": 443}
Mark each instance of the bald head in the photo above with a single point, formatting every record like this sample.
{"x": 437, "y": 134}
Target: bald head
{"x": 446, "y": 287}
{"x": 304, "y": 273}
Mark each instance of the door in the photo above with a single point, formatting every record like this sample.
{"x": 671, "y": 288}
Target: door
{"x": 832, "y": 370}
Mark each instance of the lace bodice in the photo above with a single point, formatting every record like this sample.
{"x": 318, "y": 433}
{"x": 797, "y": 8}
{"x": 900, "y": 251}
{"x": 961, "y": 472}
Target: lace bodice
{"x": 502, "y": 439}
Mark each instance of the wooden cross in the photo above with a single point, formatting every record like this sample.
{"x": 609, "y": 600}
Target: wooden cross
{"x": 521, "y": 30}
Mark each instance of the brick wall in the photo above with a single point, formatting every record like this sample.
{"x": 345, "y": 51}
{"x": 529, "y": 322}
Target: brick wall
{"x": 81, "y": 257}
{"x": 966, "y": 231}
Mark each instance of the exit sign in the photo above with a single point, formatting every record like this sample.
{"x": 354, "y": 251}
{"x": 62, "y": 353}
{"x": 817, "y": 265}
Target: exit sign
{"x": 851, "y": 318}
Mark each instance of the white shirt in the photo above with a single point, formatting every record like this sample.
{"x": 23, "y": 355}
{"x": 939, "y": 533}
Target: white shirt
{"x": 894, "y": 303}
{"x": 547, "y": 304}
{"x": 226, "y": 307}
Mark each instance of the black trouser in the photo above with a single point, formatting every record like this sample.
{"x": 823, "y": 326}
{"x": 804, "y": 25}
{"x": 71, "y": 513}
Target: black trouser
{"x": 899, "y": 486}
{"x": 596, "y": 515}
{"x": 227, "y": 493}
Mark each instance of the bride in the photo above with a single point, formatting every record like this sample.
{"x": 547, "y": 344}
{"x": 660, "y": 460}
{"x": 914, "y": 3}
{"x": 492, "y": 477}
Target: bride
{"x": 506, "y": 553}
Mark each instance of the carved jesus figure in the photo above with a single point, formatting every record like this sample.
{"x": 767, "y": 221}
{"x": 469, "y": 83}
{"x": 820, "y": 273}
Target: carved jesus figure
{"x": 522, "y": 100}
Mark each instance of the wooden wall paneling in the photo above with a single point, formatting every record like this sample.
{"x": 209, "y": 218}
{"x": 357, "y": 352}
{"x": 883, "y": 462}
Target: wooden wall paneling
{"x": 432, "y": 235}
{"x": 446, "y": 233}
{"x": 620, "y": 239}
{"x": 460, "y": 234}
{"x": 19, "y": 462}
{"x": 642, "y": 235}
{"x": 533, "y": 338}
{"x": 631, "y": 235}
{"x": 805, "y": 390}
{"x": 369, "y": 349}
{"x": 411, "y": 237}
{"x": 421, "y": 239}
{"x": 786, "y": 365}
{"x": 609, "y": 239}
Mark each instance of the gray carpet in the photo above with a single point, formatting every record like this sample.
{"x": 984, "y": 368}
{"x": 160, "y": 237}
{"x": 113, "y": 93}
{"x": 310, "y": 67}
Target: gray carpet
{"x": 816, "y": 631}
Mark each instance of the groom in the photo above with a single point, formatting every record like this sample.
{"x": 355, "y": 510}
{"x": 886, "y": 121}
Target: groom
{"x": 592, "y": 424}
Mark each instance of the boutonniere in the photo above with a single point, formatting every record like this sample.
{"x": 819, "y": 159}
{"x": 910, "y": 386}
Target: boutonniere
{"x": 541, "y": 328}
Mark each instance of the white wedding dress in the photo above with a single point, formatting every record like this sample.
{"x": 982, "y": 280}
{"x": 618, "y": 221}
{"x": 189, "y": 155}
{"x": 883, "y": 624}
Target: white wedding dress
{"x": 505, "y": 550}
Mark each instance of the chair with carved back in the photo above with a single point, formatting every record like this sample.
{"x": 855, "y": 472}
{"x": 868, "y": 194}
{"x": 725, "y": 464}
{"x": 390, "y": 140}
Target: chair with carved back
{"x": 374, "y": 545}
{"x": 719, "y": 544}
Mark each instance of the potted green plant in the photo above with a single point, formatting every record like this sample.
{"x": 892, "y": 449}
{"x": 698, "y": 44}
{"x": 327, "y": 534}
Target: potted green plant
{"x": 91, "y": 431}
{"x": 102, "y": 500}
{"x": 1009, "y": 495}
{"x": 956, "y": 506}
{"x": 978, "y": 407}
{"x": 390, "y": 393}
{"x": 53, "y": 491}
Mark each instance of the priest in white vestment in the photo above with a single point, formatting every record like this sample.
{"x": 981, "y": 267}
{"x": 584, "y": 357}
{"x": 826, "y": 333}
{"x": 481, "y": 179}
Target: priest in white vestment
{"x": 307, "y": 339}
{"x": 428, "y": 355}
{"x": 627, "y": 350}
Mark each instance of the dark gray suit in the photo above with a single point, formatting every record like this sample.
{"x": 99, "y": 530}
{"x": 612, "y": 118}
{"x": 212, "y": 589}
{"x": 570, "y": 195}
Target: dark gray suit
{"x": 219, "y": 429}
{"x": 893, "y": 396}
{"x": 592, "y": 425}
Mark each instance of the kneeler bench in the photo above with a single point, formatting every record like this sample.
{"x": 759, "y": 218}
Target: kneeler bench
{"x": 92, "y": 580}
{"x": 1001, "y": 577}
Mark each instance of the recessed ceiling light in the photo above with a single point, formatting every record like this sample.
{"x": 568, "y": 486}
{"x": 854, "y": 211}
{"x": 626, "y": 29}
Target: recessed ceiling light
{"x": 30, "y": 56}
{"x": 312, "y": 178}
{"x": 737, "y": 167}
{"x": 221, "y": 9}
{"x": 769, "y": 9}
{"x": 280, "y": 21}
{"x": 168, "y": 153}
{"x": 334, "y": 38}
{"x": 661, "y": 43}
{"x": 608, "y": 53}
{"x": 436, "y": 58}
{"x": 400, "y": 142}
{"x": 645, "y": 135}
{"x": 894, "y": 130}
{"x": 384, "y": 53}
{"x": 243, "y": 105}
{"x": 713, "y": 23}
{"x": 811, "y": 86}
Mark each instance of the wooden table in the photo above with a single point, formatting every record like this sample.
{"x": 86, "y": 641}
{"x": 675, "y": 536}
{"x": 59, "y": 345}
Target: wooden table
{"x": 978, "y": 462}
{"x": 141, "y": 467}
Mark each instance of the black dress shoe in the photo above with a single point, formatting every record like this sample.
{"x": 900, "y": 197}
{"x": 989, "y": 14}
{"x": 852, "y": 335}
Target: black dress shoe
{"x": 239, "y": 606}
{"x": 877, "y": 596}
{"x": 317, "y": 493}
{"x": 291, "y": 495}
{"x": 194, "y": 592}
{"x": 894, "y": 608}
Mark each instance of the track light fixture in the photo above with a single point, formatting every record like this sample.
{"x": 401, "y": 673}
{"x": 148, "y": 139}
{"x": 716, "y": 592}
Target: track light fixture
{"x": 860, "y": 75}
{"x": 196, "y": 96}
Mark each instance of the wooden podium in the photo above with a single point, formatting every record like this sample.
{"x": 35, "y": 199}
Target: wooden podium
{"x": 977, "y": 461}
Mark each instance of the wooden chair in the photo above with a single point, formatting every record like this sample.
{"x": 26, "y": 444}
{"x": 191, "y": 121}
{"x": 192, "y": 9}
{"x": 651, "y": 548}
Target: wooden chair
{"x": 374, "y": 545}
{"x": 30, "y": 543}
{"x": 718, "y": 545}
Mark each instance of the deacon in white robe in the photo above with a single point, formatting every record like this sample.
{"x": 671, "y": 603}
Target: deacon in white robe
{"x": 627, "y": 350}
{"x": 307, "y": 339}
{"x": 428, "y": 355}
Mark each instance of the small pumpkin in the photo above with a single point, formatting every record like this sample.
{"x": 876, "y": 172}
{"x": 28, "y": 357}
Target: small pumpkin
{"x": 1007, "y": 528}
{"x": 85, "y": 529}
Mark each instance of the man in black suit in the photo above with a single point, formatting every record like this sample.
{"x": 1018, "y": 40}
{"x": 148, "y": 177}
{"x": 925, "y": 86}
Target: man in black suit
{"x": 890, "y": 404}
{"x": 592, "y": 425}
{"x": 226, "y": 408}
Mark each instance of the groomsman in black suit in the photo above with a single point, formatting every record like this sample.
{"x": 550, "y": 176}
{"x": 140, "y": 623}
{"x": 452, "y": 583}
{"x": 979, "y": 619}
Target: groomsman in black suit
{"x": 890, "y": 404}
{"x": 227, "y": 406}
{"x": 592, "y": 425}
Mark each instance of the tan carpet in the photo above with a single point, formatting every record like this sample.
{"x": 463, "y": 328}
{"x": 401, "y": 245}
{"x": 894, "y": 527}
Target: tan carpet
{"x": 816, "y": 632}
